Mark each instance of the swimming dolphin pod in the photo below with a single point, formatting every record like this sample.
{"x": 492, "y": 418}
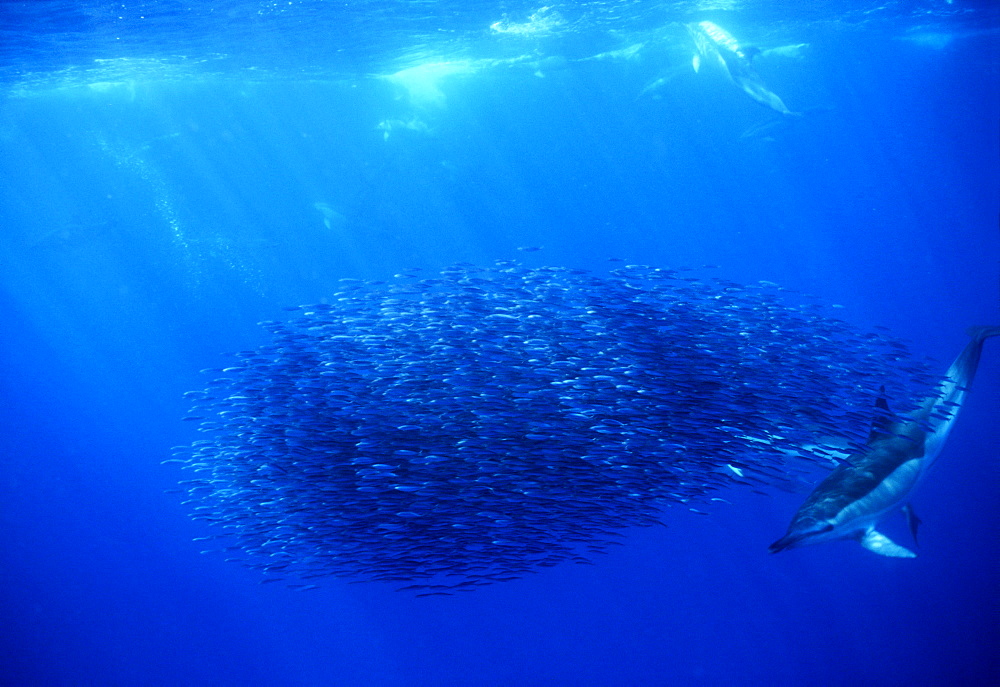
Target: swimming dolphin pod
{"x": 470, "y": 427}
{"x": 717, "y": 45}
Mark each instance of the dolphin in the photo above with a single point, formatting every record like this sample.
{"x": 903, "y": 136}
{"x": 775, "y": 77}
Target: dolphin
{"x": 716, "y": 44}
{"x": 851, "y": 501}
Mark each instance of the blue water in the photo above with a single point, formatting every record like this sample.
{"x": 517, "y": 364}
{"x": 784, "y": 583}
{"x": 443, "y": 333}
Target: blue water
{"x": 170, "y": 175}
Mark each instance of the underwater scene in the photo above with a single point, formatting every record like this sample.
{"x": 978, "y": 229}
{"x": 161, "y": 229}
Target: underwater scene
{"x": 437, "y": 343}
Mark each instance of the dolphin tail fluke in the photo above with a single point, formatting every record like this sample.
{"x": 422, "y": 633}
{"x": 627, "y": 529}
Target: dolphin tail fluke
{"x": 964, "y": 368}
{"x": 883, "y": 546}
{"x": 983, "y": 332}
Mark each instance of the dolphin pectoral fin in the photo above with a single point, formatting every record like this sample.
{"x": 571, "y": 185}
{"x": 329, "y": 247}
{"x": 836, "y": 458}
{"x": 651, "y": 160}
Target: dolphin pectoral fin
{"x": 912, "y": 521}
{"x": 883, "y": 546}
{"x": 696, "y": 63}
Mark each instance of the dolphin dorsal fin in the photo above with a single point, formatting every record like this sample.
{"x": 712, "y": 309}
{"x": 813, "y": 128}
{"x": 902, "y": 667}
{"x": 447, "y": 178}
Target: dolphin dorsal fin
{"x": 882, "y": 422}
{"x": 881, "y": 403}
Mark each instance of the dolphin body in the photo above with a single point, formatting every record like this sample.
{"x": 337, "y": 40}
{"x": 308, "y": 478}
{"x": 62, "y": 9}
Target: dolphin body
{"x": 715, "y": 43}
{"x": 850, "y": 502}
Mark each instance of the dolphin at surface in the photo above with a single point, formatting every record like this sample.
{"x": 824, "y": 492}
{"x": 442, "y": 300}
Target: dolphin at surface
{"x": 851, "y": 501}
{"x": 716, "y": 44}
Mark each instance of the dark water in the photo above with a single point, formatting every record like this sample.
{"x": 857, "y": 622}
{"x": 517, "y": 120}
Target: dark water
{"x": 170, "y": 175}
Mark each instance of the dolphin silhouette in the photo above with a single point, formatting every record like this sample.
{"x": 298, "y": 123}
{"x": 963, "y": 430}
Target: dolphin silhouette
{"x": 716, "y": 44}
{"x": 851, "y": 501}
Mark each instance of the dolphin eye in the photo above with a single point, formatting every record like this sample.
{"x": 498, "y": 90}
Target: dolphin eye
{"x": 827, "y": 528}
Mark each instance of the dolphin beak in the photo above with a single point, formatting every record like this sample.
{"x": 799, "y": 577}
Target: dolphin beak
{"x": 786, "y": 542}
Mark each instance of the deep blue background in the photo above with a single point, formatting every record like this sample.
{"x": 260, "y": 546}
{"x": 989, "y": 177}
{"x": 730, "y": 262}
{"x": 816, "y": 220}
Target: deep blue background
{"x": 150, "y": 216}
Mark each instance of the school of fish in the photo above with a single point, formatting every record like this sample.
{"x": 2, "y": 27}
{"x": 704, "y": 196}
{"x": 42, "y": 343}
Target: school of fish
{"x": 449, "y": 432}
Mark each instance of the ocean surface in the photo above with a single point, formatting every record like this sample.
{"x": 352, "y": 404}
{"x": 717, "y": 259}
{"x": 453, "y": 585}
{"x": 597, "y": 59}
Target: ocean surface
{"x": 173, "y": 173}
